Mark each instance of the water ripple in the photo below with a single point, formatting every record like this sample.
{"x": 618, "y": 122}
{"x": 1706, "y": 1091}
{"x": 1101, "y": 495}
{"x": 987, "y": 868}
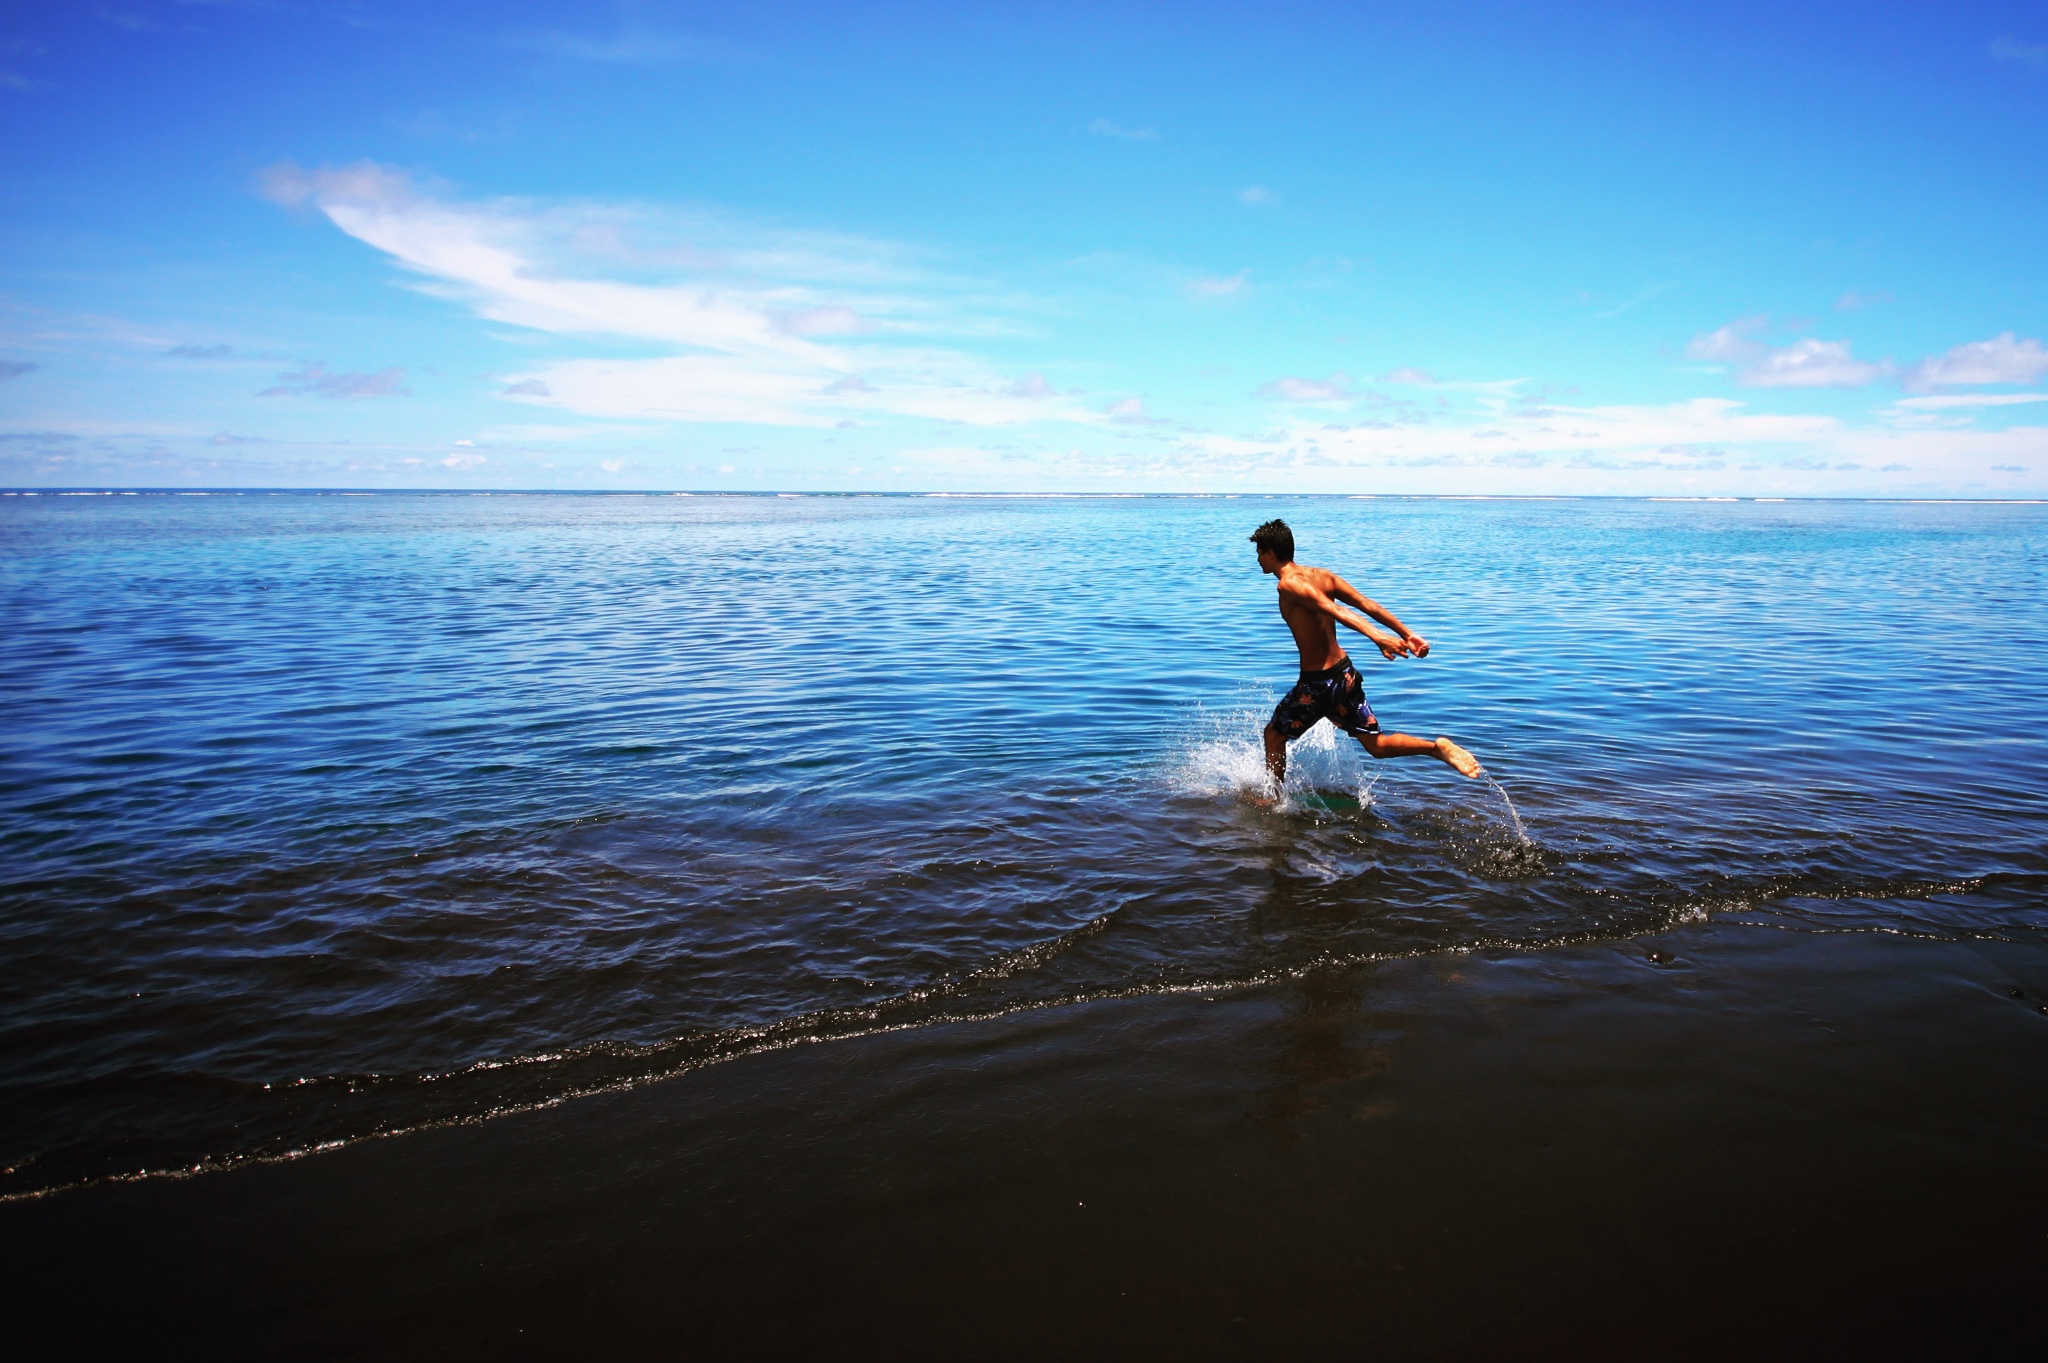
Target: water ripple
{"x": 335, "y": 817}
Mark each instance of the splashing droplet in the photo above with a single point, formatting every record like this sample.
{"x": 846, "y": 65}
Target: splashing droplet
{"x": 1521, "y": 833}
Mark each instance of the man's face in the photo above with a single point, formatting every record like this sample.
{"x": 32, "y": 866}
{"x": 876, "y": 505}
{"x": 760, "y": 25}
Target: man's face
{"x": 1267, "y": 563}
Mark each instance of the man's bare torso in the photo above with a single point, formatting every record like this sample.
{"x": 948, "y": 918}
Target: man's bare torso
{"x": 1315, "y": 632}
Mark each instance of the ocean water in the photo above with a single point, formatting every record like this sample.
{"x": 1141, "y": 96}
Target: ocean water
{"x": 332, "y": 816}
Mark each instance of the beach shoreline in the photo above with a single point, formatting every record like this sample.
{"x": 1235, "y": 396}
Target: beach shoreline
{"x": 1768, "y": 1140}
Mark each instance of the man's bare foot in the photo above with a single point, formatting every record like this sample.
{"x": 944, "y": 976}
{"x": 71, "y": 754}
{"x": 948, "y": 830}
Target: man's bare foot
{"x": 1464, "y": 763}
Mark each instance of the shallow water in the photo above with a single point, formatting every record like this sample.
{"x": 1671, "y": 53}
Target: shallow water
{"x": 336, "y": 815}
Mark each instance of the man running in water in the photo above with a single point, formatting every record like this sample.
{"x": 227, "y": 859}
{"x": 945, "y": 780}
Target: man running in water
{"x": 1312, "y": 602}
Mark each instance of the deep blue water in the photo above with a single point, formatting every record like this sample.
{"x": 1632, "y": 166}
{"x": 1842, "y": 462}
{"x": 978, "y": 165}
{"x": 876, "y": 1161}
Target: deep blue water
{"x": 330, "y": 815}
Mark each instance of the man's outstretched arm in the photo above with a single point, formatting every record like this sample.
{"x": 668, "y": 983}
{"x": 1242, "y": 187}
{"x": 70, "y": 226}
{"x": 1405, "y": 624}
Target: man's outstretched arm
{"x": 1417, "y": 645}
{"x": 1388, "y": 645}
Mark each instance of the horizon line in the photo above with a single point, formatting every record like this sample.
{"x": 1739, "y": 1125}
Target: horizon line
{"x": 343, "y": 490}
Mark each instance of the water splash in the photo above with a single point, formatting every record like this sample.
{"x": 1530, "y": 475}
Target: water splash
{"x": 1220, "y": 752}
{"x": 1521, "y": 833}
{"x": 1217, "y": 753}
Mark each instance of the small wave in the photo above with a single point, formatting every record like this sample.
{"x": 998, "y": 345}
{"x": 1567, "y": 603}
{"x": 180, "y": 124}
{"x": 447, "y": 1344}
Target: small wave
{"x": 610, "y": 1067}
{"x": 1778, "y": 890}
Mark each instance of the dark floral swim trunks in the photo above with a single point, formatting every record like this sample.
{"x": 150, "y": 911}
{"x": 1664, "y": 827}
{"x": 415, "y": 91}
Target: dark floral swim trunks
{"x": 1336, "y": 694}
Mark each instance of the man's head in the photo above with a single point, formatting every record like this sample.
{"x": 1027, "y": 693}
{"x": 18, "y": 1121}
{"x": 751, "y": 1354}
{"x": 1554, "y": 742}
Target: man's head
{"x": 1276, "y": 545}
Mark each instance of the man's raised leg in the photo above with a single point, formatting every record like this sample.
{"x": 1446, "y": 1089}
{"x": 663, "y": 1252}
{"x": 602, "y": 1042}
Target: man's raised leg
{"x": 1408, "y": 745}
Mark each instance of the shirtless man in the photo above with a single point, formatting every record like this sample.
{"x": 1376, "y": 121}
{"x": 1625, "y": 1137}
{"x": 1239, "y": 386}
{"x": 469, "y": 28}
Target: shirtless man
{"x": 1330, "y": 687}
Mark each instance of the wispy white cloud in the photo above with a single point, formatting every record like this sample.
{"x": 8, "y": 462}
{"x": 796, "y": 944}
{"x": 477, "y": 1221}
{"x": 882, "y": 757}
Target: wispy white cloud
{"x": 10, "y": 79}
{"x": 1811, "y": 363}
{"x": 743, "y": 389}
{"x": 840, "y": 321}
{"x": 128, "y": 19}
{"x": 1256, "y": 195}
{"x": 316, "y": 380}
{"x": 1806, "y": 363}
{"x": 2033, "y": 56}
{"x": 1405, "y": 374}
{"x": 1103, "y": 127}
{"x": 1335, "y": 388}
{"x": 433, "y": 125}
{"x": 1220, "y": 286}
{"x": 1853, "y": 301}
{"x": 1734, "y": 343}
{"x": 1131, "y": 412}
{"x": 630, "y": 46}
{"x": 1947, "y": 400}
{"x": 2002, "y": 359}
{"x": 695, "y": 388}
{"x": 780, "y": 328}
{"x": 1635, "y": 300}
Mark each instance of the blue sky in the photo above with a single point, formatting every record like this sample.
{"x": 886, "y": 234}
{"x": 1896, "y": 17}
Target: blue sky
{"x": 1760, "y": 250}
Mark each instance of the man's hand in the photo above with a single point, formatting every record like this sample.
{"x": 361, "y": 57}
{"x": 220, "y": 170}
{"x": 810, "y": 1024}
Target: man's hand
{"x": 1390, "y": 647}
{"x": 1417, "y": 645}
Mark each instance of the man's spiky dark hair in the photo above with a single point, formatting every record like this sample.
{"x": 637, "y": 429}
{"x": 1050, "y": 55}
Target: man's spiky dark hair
{"x": 1276, "y": 539}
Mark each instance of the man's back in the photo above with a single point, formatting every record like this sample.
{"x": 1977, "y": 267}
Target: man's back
{"x": 1314, "y": 629}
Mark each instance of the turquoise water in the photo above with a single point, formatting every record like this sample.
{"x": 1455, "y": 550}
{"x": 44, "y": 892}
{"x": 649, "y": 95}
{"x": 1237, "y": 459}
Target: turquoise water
{"x": 335, "y": 815}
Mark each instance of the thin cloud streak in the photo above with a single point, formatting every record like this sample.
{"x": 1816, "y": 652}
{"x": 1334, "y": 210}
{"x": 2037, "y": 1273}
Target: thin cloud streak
{"x": 1948, "y": 400}
{"x": 1103, "y": 127}
{"x": 1636, "y": 300}
{"x": 1335, "y": 388}
{"x": 631, "y": 46}
{"x": 1220, "y": 286}
{"x": 2033, "y": 56}
{"x": 315, "y": 380}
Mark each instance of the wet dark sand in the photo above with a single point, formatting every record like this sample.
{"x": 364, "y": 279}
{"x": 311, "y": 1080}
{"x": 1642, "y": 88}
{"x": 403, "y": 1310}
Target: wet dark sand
{"x": 1773, "y": 1143}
